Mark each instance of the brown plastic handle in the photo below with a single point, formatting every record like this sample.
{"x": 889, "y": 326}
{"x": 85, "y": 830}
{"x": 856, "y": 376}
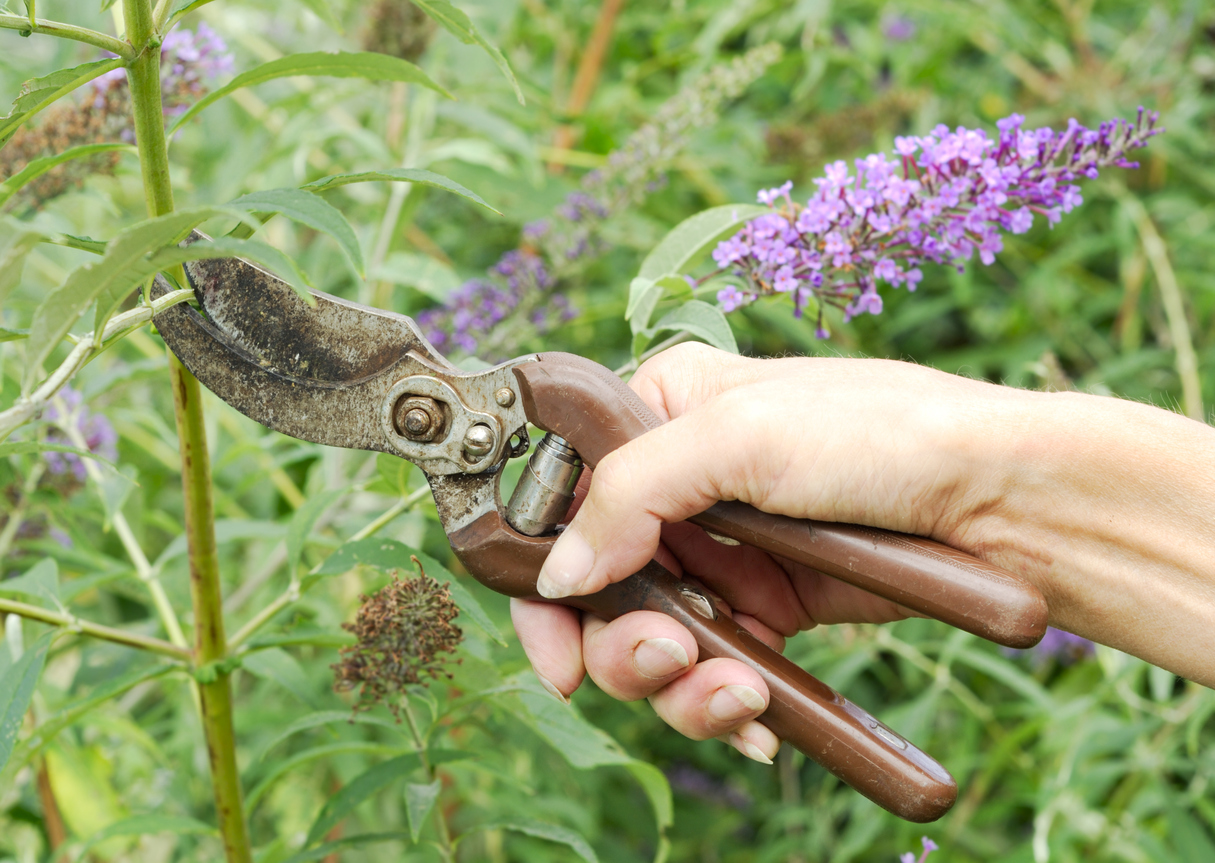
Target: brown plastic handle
{"x": 804, "y": 712}
{"x": 596, "y": 412}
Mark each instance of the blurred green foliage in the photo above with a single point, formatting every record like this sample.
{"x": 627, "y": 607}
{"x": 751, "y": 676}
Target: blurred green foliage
{"x": 1104, "y": 759}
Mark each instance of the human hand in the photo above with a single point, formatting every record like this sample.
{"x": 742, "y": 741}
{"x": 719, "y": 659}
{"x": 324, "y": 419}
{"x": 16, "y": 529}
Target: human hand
{"x": 834, "y": 440}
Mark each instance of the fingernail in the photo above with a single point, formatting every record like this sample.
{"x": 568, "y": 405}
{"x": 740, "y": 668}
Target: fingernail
{"x": 749, "y": 749}
{"x": 734, "y": 702}
{"x": 567, "y": 566}
{"x": 656, "y": 658}
{"x": 552, "y": 690}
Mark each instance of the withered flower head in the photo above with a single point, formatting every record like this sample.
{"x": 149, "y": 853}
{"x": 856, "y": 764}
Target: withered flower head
{"x": 403, "y": 632}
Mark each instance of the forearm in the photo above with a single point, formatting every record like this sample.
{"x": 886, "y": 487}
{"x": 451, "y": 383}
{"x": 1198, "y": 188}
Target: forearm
{"x": 1109, "y": 507}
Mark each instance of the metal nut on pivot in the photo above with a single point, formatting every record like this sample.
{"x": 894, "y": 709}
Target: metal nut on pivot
{"x": 505, "y": 397}
{"x": 478, "y": 442}
{"x": 419, "y": 418}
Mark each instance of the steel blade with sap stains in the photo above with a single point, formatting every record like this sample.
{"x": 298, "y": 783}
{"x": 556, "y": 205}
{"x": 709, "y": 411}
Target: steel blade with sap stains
{"x": 328, "y": 373}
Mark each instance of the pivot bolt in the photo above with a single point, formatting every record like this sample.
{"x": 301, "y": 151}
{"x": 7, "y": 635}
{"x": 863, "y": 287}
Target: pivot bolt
{"x": 419, "y": 418}
{"x": 505, "y": 397}
{"x": 478, "y": 442}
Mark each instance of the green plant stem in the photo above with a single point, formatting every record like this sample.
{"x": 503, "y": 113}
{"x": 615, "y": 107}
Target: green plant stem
{"x": 17, "y": 517}
{"x": 449, "y": 852}
{"x": 210, "y": 643}
{"x": 96, "y": 630}
{"x": 68, "y": 31}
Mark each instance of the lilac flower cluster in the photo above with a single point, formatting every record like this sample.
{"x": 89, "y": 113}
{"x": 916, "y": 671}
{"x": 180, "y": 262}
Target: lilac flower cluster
{"x": 929, "y": 847}
{"x": 943, "y": 197}
{"x": 96, "y": 430}
{"x": 188, "y": 59}
{"x": 479, "y": 305}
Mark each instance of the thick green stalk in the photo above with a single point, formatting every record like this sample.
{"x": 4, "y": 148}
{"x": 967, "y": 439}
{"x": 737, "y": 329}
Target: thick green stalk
{"x": 210, "y": 642}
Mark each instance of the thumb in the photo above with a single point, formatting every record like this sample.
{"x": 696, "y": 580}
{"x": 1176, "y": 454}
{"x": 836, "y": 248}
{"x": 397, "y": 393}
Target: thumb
{"x": 663, "y": 476}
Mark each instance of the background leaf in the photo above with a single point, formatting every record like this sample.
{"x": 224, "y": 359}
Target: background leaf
{"x": 364, "y": 64}
{"x": 17, "y": 689}
{"x": 310, "y": 210}
{"x": 462, "y": 27}
{"x": 399, "y": 175}
{"x": 419, "y": 801}
{"x": 703, "y": 321}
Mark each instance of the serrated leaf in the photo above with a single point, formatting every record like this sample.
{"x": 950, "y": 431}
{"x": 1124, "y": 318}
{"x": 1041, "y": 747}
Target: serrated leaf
{"x": 386, "y": 554}
{"x": 703, "y": 321}
{"x": 693, "y": 236}
{"x": 40, "y": 582}
{"x": 142, "y": 825}
{"x": 310, "y": 210}
{"x": 399, "y": 175}
{"x": 24, "y": 447}
{"x": 325, "y": 12}
{"x": 17, "y": 689}
{"x": 419, "y": 800}
{"x": 357, "y": 790}
{"x": 551, "y": 832}
{"x": 109, "y": 280}
{"x": 38, "y": 167}
{"x": 38, "y": 93}
{"x": 301, "y": 525}
{"x": 363, "y": 64}
{"x": 461, "y": 26}
{"x": 279, "y": 666}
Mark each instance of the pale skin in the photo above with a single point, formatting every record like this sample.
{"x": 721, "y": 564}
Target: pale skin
{"x": 1108, "y": 506}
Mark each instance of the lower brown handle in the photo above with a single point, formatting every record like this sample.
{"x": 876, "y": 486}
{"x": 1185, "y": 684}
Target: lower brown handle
{"x": 918, "y": 573}
{"x": 804, "y": 712}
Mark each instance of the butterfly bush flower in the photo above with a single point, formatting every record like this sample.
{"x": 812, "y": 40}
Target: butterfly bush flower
{"x": 1064, "y": 647}
{"x": 188, "y": 60}
{"x": 939, "y": 199}
{"x": 521, "y": 293}
{"x": 96, "y": 430}
{"x": 928, "y": 845}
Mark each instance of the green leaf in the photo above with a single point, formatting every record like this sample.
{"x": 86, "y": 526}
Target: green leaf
{"x": 143, "y": 825}
{"x": 325, "y": 12}
{"x": 301, "y": 525}
{"x": 419, "y": 800}
{"x": 40, "y": 582}
{"x": 279, "y": 768}
{"x": 357, "y": 790}
{"x": 544, "y": 830}
{"x": 693, "y": 236}
{"x": 363, "y": 64}
{"x": 38, "y": 93}
{"x": 110, "y": 689}
{"x": 645, "y": 294}
{"x": 13, "y": 335}
{"x": 17, "y": 689}
{"x": 399, "y": 175}
{"x": 323, "y": 717}
{"x": 38, "y": 167}
{"x": 394, "y": 471}
{"x": 703, "y": 321}
{"x": 232, "y": 247}
{"x": 28, "y": 446}
{"x": 279, "y": 666}
{"x": 386, "y": 554}
{"x": 124, "y": 265}
{"x": 462, "y": 27}
{"x": 13, "y": 261}
{"x": 310, "y": 210}
{"x": 320, "y": 852}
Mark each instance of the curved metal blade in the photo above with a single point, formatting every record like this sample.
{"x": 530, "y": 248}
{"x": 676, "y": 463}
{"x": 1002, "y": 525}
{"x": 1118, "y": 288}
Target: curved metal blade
{"x": 335, "y": 340}
{"x": 335, "y": 412}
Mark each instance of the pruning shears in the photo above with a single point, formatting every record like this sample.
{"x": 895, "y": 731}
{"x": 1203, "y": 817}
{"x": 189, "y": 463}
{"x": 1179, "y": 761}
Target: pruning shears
{"x": 346, "y": 375}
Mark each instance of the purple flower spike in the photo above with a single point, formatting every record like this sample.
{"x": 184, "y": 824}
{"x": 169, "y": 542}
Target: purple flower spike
{"x": 99, "y": 436}
{"x": 945, "y": 196}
